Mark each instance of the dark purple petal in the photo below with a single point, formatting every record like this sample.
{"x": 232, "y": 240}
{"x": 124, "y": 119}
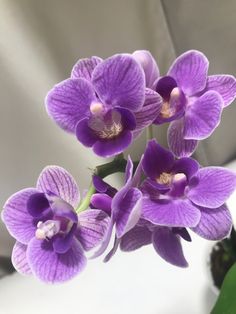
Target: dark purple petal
{"x": 151, "y": 109}
{"x": 203, "y": 116}
{"x": 84, "y": 68}
{"x": 20, "y": 224}
{"x": 211, "y": 186}
{"x": 112, "y": 251}
{"x": 52, "y": 267}
{"x": 112, "y": 147}
{"x": 119, "y": 82}
{"x": 63, "y": 242}
{"x": 190, "y": 71}
{"x": 102, "y": 201}
{"x": 225, "y": 85}
{"x": 156, "y": 160}
{"x": 128, "y": 210}
{"x": 186, "y": 165}
{"x": 93, "y": 226}
{"x": 19, "y": 259}
{"x": 173, "y": 213}
{"x": 37, "y": 205}
{"x": 127, "y": 118}
{"x": 135, "y": 239}
{"x": 165, "y": 85}
{"x": 215, "y": 223}
{"x": 85, "y": 134}
{"x": 177, "y": 144}
{"x": 58, "y": 181}
{"x": 69, "y": 101}
{"x": 168, "y": 246}
{"x": 183, "y": 232}
{"x": 149, "y": 66}
{"x": 100, "y": 185}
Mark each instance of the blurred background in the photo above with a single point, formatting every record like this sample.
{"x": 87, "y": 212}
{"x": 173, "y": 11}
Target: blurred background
{"x": 40, "y": 41}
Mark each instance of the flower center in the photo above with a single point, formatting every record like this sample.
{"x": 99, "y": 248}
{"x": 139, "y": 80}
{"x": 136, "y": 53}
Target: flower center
{"x": 165, "y": 178}
{"x": 110, "y": 131}
{"x": 167, "y": 110}
{"x": 46, "y": 230}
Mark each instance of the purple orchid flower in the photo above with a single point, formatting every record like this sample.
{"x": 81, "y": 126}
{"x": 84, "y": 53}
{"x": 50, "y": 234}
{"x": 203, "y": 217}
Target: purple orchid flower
{"x": 180, "y": 194}
{"x": 124, "y": 207}
{"x": 51, "y": 237}
{"x": 104, "y": 103}
{"x": 192, "y": 100}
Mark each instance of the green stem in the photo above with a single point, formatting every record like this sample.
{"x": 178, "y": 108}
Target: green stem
{"x": 117, "y": 165}
{"x": 149, "y": 133}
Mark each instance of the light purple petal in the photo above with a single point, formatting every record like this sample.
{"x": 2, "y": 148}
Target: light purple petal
{"x": 225, "y": 85}
{"x": 15, "y": 215}
{"x": 151, "y": 109}
{"x": 190, "y": 71}
{"x": 52, "y": 267}
{"x": 129, "y": 170}
{"x": 135, "y": 239}
{"x": 211, "y": 186}
{"x": 69, "y": 101}
{"x": 177, "y": 144}
{"x": 109, "y": 148}
{"x": 168, "y": 246}
{"x": 203, "y": 116}
{"x": 215, "y": 223}
{"x": 102, "y": 201}
{"x": 119, "y": 82}
{"x": 112, "y": 251}
{"x": 173, "y": 213}
{"x": 19, "y": 260}
{"x": 128, "y": 209}
{"x": 60, "y": 182}
{"x": 156, "y": 160}
{"x": 84, "y": 68}
{"x": 93, "y": 226}
{"x": 149, "y": 66}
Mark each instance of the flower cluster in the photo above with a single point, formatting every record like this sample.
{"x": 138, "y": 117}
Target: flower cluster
{"x": 107, "y": 104}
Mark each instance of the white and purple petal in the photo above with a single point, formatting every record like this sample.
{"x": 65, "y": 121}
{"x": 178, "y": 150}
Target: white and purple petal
{"x": 215, "y": 223}
{"x": 56, "y": 180}
{"x": 211, "y": 186}
{"x": 168, "y": 246}
{"x": 179, "y": 146}
{"x": 128, "y": 210}
{"x": 190, "y": 72}
{"x": 69, "y": 101}
{"x": 119, "y": 82}
{"x": 84, "y": 68}
{"x": 20, "y": 224}
{"x": 93, "y": 226}
{"x": 52, "y": 267}
{"x": 225, "y": 85}
{"x": 19, "y": 259}
{"x": 202, "y": 116}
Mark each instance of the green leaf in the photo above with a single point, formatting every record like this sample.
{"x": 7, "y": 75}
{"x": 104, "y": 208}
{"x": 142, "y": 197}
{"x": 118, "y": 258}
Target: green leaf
{"x": 226, "y": 302}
